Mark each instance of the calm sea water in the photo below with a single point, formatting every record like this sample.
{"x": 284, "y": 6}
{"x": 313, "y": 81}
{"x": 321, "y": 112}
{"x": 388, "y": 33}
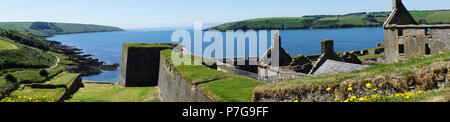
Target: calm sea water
{"x": 107, "y": 46}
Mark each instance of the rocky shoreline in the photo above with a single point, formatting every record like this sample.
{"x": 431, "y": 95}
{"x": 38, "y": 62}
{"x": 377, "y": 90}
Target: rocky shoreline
{"x": 84, "y": 64}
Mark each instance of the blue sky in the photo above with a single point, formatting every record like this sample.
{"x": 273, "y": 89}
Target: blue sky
{"x": 169, "y": 13}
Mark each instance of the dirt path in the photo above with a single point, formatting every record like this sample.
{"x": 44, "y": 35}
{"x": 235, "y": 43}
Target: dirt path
{"x": 57, "y": 61}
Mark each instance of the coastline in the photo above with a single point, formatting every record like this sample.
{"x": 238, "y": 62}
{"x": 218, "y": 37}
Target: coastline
{"x": 84, "y": 63}
{"x": 82, "y": 32}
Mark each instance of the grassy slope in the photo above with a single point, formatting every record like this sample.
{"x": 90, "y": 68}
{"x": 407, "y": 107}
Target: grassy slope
{"x": 341, "y": 79}
{"x": 113, "y": 93}
{"x": 4, "y": 45}
{"x": 350, "y": 20}
{"x": 221, "y": 86}
{"x": 24, "y": 57}
{"x": 56, "y": 28}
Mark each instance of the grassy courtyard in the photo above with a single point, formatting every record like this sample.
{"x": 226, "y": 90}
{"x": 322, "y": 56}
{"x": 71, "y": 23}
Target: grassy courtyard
{"x": 93, "y": 92}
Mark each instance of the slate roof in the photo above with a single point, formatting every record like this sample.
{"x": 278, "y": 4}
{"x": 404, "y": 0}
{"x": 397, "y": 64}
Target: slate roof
{"x": 332, "y": 66}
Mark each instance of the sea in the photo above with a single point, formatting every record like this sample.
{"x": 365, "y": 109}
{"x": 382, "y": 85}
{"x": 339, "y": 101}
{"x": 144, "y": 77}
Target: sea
{"x": 107, "y": 46}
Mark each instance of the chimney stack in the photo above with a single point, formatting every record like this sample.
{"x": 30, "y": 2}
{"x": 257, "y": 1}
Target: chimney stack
{"x": 327, "y": 46}
{"x": 396, "y": 3}
{"x": 276, "y": 40}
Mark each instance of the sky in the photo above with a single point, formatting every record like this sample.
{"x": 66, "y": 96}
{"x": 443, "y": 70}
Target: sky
{"x": 171, "y": 13}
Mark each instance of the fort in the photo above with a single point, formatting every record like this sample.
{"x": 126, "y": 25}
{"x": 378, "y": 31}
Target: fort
{"x": 224, "y": 81}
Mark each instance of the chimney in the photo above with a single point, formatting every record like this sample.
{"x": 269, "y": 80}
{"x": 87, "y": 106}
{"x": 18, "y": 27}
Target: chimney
{"x": 327, "y": 46}
{"x": 396, "y": 3}
{"x": 276, "y": 40}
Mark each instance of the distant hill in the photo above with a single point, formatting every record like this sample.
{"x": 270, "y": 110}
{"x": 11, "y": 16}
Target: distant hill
{"x": 363, "y": 19}
{"x": 51, "y": 28}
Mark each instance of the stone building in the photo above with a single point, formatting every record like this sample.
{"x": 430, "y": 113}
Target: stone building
{"x": 405, "y": 38}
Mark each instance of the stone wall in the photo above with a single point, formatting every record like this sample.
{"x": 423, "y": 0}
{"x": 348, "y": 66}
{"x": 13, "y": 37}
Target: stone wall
{"x": 175, "y": 88}
{"x": 72, "y": 89}
{"x": 272, "y": 75}
{"x": 233, "y": 70}
{"x": 140, "y": 66}
{"x": 417, "y": 40}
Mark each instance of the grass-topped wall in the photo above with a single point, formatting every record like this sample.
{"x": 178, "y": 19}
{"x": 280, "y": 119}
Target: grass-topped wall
{"x": 216, "y": 85}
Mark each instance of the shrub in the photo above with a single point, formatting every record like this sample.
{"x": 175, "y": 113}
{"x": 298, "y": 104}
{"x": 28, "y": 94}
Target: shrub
{"x": 44, "y": 73}
{"x": 11, "y": 78}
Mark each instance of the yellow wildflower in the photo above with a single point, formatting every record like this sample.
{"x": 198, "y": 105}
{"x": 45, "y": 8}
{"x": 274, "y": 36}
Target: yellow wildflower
{"x": 368, "y": 85}
{"x": 346, "y": 100}
{"x": 349, "y": 85}
{"x": 328, "y": 89}
{"x": 350, "y": 89}
{"x": 296, "y": 101}
{"x": 375, "y": 89}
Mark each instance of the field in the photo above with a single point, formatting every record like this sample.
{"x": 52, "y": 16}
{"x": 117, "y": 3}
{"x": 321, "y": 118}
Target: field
{"x": 364, "y": 19}
{"x": 4, "y": 45}
{"x": 93, "y": 92}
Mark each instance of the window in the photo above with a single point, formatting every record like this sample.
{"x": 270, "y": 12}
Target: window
{"x": 400, "y": 32}
{"x": 427, "y": 49}
{"x": 401, "y": 48}
{"x": 427, "y": 31}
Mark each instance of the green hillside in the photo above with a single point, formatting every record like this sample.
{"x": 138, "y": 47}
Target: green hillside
{"x": 52, "y": 28}
{"x": 16, "y": 55}
{"x": 364, "y": 19}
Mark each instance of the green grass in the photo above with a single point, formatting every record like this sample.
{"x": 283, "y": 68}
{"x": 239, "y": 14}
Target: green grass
{"x": 366, "y": 57}
{"x": 438, "y": 95}
{"x": 113, "y": 93}
{"x": 4, "y": 45}
{"x": 52, "y": 94}
{"x": 438, "y": 17}
{"x": 127, "y": 45}
{"x": 233, "y": 89}
{"x": 221, "y": 86}
{"x": 62, "y": 79}
{"x": 28, "y": 75}
{"x": 5, "y": 85}
{"x": 333, "y": 21}
{"x": 25, "y": 57}
{"x": 55, "y": 94}
{"x": 336, "y": 79}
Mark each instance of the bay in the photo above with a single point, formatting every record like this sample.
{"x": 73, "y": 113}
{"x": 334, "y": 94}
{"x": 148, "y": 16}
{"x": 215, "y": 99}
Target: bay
{"x": 107, "y": 46}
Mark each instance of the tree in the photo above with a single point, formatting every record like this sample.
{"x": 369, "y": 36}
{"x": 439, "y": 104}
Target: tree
{"x": 44, "y": 73}
{"x": 11, "y": 78}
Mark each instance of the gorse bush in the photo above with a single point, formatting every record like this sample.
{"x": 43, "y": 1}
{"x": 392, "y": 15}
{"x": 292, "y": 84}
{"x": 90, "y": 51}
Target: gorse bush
{"x": 43, "y": 73}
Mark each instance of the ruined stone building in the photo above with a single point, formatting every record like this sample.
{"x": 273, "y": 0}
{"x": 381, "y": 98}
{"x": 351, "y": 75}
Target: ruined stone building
{"x": 405, "y": 38}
